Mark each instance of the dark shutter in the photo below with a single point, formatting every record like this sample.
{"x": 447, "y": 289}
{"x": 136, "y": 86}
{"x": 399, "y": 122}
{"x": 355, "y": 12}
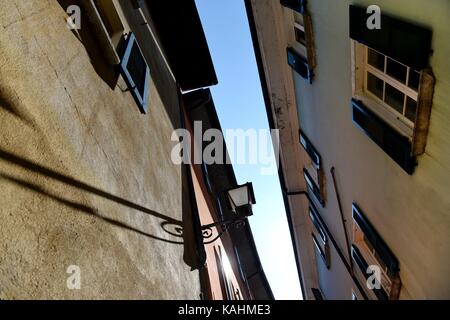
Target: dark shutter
{"x": 297, "y": 5}
{"x": 376, "y": 241}
{"x": 299, "y": 64}
{"x": 397, "y": 146}
{"x": 313, "y": 187}
{"x": 316, "y": 222}
{"x": 400, "y": 40}
{"x": 135, "y": 72}
{"x": 363, "y": 265}
{"x": 320, "y": 251}
{"x": 309, "y": 148}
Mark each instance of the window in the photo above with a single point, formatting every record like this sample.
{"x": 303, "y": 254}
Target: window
{"x": 312, "y": 186}
{"x": 393, "y": 84}
{"x": 319, "y": 237}
{"x": 363, "y": 273}
{"x": 303, "y": 46}
{"x": 314, "y": 175}
{"x": 136, "y": 73}
{"x": 391, "y": 75}
{"x": 223, "y": 266}
{"x": 388, "y": 87}
{"x": 369, "y": 249}
{"x": 312, "y": 152}
{"x": 300, "y": 35}
{"x": 109, "y": 27}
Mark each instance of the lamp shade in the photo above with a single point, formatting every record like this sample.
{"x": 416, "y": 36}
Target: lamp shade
{"x": 241, "y": 199}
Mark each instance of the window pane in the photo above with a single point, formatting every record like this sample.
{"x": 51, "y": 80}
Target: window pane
{"x": 411, "y": 109}
{"x": 396, "y": 70}
{"x": 375, "y": 85}
{"x": 394, "y": 98}
{"x": 137, "y": 68}
{"x": 300, "y": 36}
{"x": 413, "y": 82}
{"x": 376, "y": 59}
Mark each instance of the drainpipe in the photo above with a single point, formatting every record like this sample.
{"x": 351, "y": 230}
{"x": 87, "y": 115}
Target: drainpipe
{"x": 347, "y": 242}
{"x": 200, "y": 247}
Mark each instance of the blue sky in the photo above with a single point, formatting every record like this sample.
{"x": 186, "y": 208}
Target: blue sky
{"x": 240, "y": 105}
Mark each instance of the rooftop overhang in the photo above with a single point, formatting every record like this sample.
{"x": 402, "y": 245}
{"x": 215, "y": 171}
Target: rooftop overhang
{"x": 183, "y": 41}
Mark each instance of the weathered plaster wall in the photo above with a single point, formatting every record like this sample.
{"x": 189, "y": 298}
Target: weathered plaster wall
{"x": 272, "y": 24}
{"x": 85, "y": 179}
{"x": 412, "y": 213}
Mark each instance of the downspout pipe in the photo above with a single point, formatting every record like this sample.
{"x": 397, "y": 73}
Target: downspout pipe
{"x": 200, "y": 247}
{"x": 347, "y": 241}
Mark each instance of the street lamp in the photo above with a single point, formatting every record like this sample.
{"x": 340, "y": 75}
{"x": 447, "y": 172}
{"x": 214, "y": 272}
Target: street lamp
{"x": 240, "y": 200}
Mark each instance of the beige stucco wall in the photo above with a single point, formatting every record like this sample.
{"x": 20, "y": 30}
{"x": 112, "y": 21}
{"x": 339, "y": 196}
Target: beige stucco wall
{"x": 108, "y": 179}
{"x": 412, "y": 213}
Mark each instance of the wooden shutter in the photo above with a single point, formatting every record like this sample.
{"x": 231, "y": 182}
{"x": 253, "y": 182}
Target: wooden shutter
{"x": 313, "y": 187}
{"x": 363, "y": 265}
{"x": 136, "y": 73}
{"x": 299, "y": 64}
{"x": 310, "y": 150}
{"x": 397, "y": 146}
{"x": 320, "y": 251}
{"x": 424, "y": 104}
{"x": 316, "y": 222}
{"x": 405, "y": 42}
{"x": 376, "y": 241}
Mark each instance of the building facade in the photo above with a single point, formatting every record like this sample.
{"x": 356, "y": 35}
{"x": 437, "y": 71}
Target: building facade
{"x": 90, "y": 95}
{"x": 232, "y": 269}
{"x": 359, "y": 92}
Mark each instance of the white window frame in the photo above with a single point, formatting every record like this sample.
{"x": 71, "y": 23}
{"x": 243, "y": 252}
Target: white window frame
{"x": 300, "y": 27}
{"x": 387, "y": 79}
{"x": 315, "y": 170}
{"x": 360, "y": 67}
{"x": 306, "y": 50}
{"x": 370, "y": 256}
{"x": 300, "y": 47}
{"x": 319, "y": 238}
